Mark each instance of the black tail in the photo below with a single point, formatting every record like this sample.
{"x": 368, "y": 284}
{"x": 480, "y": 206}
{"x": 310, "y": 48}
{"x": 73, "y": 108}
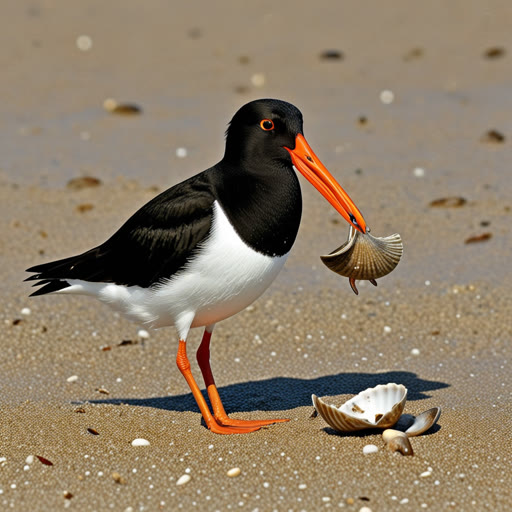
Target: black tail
{"x": 53, "y": 275}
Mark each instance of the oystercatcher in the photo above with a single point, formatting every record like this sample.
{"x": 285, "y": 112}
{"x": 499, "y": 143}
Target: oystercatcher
{"x": 208, "y": 247}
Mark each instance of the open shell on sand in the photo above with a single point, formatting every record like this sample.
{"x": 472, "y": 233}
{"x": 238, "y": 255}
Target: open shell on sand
{"x": 378, "y": 407}
{"x": 364, "y": 256}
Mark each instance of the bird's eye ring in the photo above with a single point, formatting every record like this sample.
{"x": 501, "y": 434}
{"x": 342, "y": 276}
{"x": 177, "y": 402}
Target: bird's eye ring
{"x": 267, "y": 125}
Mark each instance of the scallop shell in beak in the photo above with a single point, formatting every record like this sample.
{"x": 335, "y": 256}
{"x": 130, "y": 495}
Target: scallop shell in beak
{"x": 378, "y": 407}
{"x": 364, "y": 256}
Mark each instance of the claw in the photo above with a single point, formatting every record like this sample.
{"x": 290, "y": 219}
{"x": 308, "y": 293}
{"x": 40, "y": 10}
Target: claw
{"x": 373, "y": 282}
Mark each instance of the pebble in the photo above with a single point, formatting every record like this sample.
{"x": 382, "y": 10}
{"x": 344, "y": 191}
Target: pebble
{"x": 84, "y": 43}
{"x": 73, "y": 378}
{"x": 365, "y": 509}
{"x": 386, "y": 96}
{"x": 387, "y": 329}
{"x": 183, "y": 479}
{"x": 29, "y": 459}
{"x": 233, "y": 472}
{"x": 419, "y": 172}
{"x": 415, "y": 351}
{"x": 370, "y": 448}
{"x": 425, "y": 474}
{"x": 302, "y": 486}
{"x": 142, "y": 333}
{"x": 25, "y": 311}
{"x": 140, "y": 442}
{"x": 181, "y": 152}
{"x": 258, "y": 80}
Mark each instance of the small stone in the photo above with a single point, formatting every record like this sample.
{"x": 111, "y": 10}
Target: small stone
{"x": 258, "y": 80}
{"x": 419, "y": 172}
{"x": 233, "y": 472}
{"x": 386, "y": 96}
{"x": 415, "y": 351}
{"x": 365, "y": 509}
{"x": 493, "y": 136}
{"x": 331, "y": 55}
{"x": 26, "y": 311}
{"x": 73, "y": 378}
{"x": 142, "y": 333}
{"x": 83, "y": 182}
{"x": 370, "y": 448}
{"x": 181, "y": 152}
{"x": 387, "y": 329}
{"x": 494, "y": 52}
{"x": 118, "y": 478}
{"x": 183, "y": 479}
{"x": 29, "y": 459}
{"x": 302, "y": 486}
{"x": 84, "y": 43}
{"x": 140, "y": 442}
{"x": 425, "y": 474}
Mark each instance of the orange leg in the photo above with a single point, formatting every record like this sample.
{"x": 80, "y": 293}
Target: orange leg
{"x": 203, "y": 358}
{"x": 184, "y": 367}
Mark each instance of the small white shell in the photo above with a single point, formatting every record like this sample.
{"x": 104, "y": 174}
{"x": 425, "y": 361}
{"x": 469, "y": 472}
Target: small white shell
{"x": 140, "y": 442}
{"x": 423, "y": 422}
{"x": 364, "y": 256}
{"x": 378, "y": 407}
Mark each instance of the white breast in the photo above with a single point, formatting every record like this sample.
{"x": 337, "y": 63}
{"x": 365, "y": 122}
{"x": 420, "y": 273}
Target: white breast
{"x": 223, "y": 279}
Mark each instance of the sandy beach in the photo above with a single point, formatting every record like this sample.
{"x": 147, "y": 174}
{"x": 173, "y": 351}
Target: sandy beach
{"x": 409, "y": 110}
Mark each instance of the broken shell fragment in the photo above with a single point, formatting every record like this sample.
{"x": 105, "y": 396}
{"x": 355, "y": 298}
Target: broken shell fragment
{"x": 113, "y": 106}
{"x": 364, "y": 256}
{"x": 378, "y": 407}
{"x": 397, "y": 441}
{"x": 423, "y": 422}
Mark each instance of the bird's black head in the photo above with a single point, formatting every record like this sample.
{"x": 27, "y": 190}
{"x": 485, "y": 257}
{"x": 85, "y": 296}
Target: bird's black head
{"x": 260, "y": 131}
{"x": 266, "y": 134}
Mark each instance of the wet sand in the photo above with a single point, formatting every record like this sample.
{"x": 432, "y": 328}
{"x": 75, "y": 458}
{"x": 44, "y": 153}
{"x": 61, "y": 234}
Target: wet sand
{"x": 189, "y": 69}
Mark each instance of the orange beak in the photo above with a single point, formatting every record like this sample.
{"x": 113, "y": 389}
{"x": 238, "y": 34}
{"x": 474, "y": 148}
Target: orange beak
{"x": 305, "y": 161}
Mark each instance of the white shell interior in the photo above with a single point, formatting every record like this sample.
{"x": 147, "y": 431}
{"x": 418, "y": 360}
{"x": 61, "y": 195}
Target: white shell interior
{"x": 373, "y": 403}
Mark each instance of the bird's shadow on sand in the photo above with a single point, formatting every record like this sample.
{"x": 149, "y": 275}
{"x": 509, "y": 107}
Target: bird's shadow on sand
{"x": 285, "y": 393}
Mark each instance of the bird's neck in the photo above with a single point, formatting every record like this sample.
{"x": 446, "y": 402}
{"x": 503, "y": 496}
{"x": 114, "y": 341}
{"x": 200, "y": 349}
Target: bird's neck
{"x": 264, "y": 205}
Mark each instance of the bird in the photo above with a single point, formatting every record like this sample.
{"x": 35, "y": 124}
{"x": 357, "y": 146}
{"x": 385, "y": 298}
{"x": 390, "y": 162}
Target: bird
{"x": 208, "y": 247}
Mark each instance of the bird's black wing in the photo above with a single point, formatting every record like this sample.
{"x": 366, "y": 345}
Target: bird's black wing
{"x": 152, "y": 245}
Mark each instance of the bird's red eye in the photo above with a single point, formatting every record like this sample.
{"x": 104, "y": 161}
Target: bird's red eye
{"x": 267, "y": 124}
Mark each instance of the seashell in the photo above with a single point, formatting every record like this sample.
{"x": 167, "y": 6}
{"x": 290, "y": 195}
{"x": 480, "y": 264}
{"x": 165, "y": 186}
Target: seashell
{"x": 423, "y": 422}
{"x": 397, "y": 441}
{"x": 378, "y": 407}
{"x": 364, "y": 256}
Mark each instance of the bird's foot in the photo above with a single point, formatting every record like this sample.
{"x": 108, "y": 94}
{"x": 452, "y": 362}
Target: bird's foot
{"x": 229, "y": 422}
{"x": 217, "y": 428}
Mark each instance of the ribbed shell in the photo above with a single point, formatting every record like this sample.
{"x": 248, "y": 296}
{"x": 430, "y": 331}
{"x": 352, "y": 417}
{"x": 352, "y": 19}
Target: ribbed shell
{"x": 378, "y": 407}
{"x": 364, "y": 256}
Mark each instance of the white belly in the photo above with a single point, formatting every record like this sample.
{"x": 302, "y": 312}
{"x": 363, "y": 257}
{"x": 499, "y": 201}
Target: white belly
{"x": 225, "y": 278}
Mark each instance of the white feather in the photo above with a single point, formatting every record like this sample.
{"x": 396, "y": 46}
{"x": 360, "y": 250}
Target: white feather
{"x": 223, "y": 279}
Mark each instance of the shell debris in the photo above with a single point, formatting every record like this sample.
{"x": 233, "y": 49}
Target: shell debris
{"x": 183, "y": 479}
{"x": 397, "y": 441}
{"x": 370, "y": 448}
{"x": 113, "y": 106}
{"x": 140, "y": 442}
{"x": 234, "y": 472}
